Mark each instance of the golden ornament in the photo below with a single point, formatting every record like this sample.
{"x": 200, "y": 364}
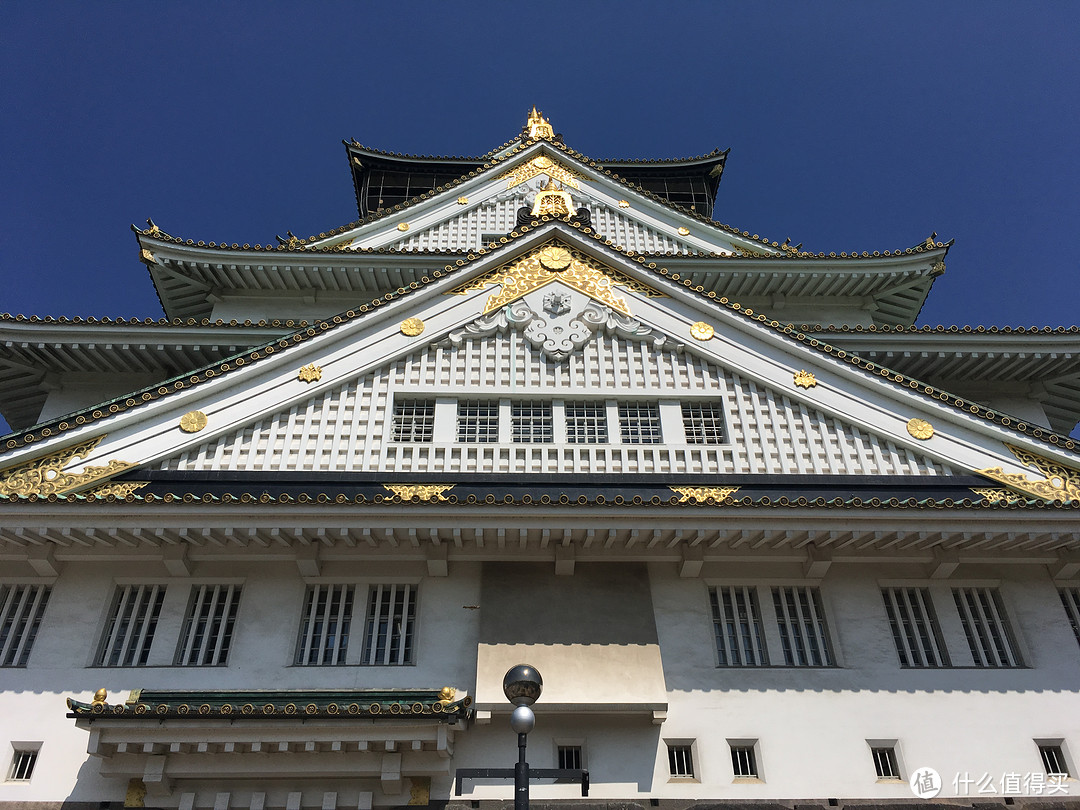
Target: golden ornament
{"x": 805, "y": 379}
{"x": 555, "y": 258}
{"x": 403, "y": 226}
{"x": 701, "y": 331}
{"x": 920, "y": 429}
{"x": 309, "y": 373}
{"x": 193, "y": 421}
{"x": 684, "y": 231}
{"x": 412, "y": 327}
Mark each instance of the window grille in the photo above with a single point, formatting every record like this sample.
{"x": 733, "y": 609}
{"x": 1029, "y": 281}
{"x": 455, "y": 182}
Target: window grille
{"x": 21, "y": 609}
{"x": 703, "y": 423}
{"x": 737, "y": 624}
{"x": 324, "y": 631}
{"x": 586, "y": 422}
{"x": 1053, "y": 759}
{"x": 208, "y": 626}
{"x": 414, "y": 420}
{"x": 391, "y": 618}
{"x": 915, "y": 628}
{"x": 640, "y": 422}
{"x": 569, "y": 756}
{"x": 22, "y": 765}
{"x": 1070, "y": 600}
{"x": 800, "y": 619}
{"x": 531, "y": 422}
{"x": 129, "y": 631}
{"x": 478, "y": 421}
{"x": 885, "y": 762}
{"x": 680, "y": 759}
{"x": 743, "y": 762}
{"x": 986, "y": 626}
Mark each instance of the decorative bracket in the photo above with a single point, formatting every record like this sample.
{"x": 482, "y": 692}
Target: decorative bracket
{"x": 1060, "y": 483}
{"x": 45, "y": 475}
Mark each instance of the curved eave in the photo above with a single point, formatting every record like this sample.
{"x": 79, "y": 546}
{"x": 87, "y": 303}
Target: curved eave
{"x": 186, "y": 274}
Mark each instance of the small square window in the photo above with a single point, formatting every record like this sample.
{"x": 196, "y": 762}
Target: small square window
{"x": 531, "y": 422}
{"x": 478, "y": 421}
{"x": 586, "y": 423}
{"x": 885, "y": 762}
{"x": 640, "y": 422}
{"x": 414, "y": 420}
{"x": 1053, "y": 759}
{"x": 703, "y": 422}
{"x": 681, "y": 760}
{"x": 743, "y": 761}
{"x": 569, "y": 756}
{"x": 22, "y": 764}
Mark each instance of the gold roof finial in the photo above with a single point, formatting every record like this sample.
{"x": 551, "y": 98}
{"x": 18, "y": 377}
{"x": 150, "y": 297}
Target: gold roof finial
{"x": 538, "y": 126}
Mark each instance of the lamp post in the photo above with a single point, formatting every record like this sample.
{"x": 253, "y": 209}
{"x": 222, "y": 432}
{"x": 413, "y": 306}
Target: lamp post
{"x": 522, "y": 685}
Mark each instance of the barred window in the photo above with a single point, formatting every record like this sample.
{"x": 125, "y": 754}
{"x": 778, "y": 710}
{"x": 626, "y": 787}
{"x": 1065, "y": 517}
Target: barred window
{"x": 703, "y": 422}
{"x": 389, "y": 631}
{"x": 915, "y": 628}
{"x": 1070, "y": 600}
{"x": 569, "y": 756}
{"x": 208, "y": 626}
{"x": 531, "y": 422}
{"x": 324, "y": 631}
{"x": 129, "y": 631}
{"x": 586, "y": 422}
{"x": 986, "y": 626}
{"x": 22, "y": 764}
{"x": 640, "y": 422}
{"x": 478, "y": 421}
{"x": 680, "y": 759}
{"x": 885, "y": 763}
{"x": 21, "y": 609}
{"x": 743, "y": 761}
{"x": 1053, "y": 759}
{"x": 414, "y": 420}
{"x": 737, "y": 624}
{"x": 800, "y": 619}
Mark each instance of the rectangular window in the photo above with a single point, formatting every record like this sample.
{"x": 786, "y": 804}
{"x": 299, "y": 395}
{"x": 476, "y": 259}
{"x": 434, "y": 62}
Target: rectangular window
{"x": 414, "y": 420}
{"x": 129, "y": 631}
{"x": 743, "y": 762}
{"x": 21, "y": 609}
{"x": 1053, "y": 759}
{"x": 569, "y": 756}
{"x": 986, "y": 626}
{"x": 22, "y": 765}
{"x": 915, "y": 628}
{"x": 703, "y": 422}
{"x": 478, "y": 421}
{"x": 389, "y": 632}
{"x": 531, "y": 422}
{"x": 680, "y": 759}
{"x": 1070, "y": 600}
{"x": 800, "y": 618}
{"x": 737, "y": 625}
{"x": 885, "y": 763}
{"x": 640, "y": 422}
{"x": 586, "y": 422}
{"x": 208, "y": 626}
{"x": 324, "y": 631}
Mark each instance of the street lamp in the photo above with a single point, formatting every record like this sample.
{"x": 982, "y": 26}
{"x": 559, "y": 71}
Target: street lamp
{"x": 522, "y": 685}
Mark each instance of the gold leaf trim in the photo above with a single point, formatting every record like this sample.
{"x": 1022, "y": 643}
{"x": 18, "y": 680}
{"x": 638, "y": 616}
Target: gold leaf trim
{"x": 411, "y": 327}
{"x": 1060, "y": 483}
{"x": 996, "y": 495}
{"x": 805, "y": 379}
{"x": 193, "y": 421}
{"x": 541, "y": 164}
{"x": 920, "y": 429}
{"x": 583, "y": 273}
{"x": 703, "y": 494}
{"x": 45, "y": 475}
{"x": 309, "y": 373}
{"x": 425, "y": 492}
{"x": 701, "y": 331}
{"x": 121, "y": 489}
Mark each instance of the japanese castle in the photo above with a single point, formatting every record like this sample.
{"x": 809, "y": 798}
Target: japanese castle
{"x": 764, "y": 539}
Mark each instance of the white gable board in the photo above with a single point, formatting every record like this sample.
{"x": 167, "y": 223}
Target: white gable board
{"x": 852, "y": 420}
{"x": 348, "y": 429}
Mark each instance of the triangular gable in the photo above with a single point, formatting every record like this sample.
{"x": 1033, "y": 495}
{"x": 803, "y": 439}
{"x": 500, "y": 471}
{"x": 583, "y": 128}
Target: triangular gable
{"x": 492, "y": 197}
{"x": 350, "y": 428}
{"x": 158, "y": 424}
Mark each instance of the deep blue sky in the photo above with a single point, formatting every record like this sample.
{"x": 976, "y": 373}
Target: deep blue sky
{"x": 861, "y": 125}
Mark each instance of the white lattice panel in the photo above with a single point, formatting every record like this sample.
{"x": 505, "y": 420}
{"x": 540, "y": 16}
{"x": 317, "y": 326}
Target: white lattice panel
{"x": 347, "y": 428}
{"x": 632, "y": 234}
